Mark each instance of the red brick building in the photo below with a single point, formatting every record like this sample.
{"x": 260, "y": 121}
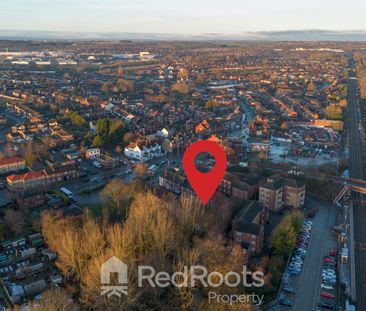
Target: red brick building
{"x": 61, "y": 172}
{"x": 41, "y": 179}
{"x": 11, "y": 165}
{"x": 171, "y": 181}
{"x": 241, "y": 190}
{"x": 248, "y": 227}
{"x": 294, "y": 193}
{"x": 280, "y": 191}
{"x": 30, "y": 180}
{"x": 271, "y": 195}
{"x": 31, "y": 200}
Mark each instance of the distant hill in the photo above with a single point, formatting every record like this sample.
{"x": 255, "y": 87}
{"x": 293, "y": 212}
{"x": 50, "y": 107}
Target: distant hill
{"x": 290, "y": 35}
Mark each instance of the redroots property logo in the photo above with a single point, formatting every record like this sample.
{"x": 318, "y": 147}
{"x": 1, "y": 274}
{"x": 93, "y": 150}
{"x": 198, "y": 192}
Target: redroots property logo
{"x": 190, "y": 276}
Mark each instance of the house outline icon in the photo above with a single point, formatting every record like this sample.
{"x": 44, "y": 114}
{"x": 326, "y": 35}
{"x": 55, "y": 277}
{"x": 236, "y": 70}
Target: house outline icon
{"x": 114, "y": 265}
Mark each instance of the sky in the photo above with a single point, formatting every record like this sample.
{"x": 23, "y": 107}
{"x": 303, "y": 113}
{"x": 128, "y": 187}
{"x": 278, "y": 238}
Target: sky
{"x": 181, "y": 16}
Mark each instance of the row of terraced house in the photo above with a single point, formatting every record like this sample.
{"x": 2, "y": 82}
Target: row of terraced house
{"x": 41, "y": 179}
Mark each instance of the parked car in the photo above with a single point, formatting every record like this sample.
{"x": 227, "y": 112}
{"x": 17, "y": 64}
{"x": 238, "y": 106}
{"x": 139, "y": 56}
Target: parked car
{"x": 328, "y": 260}
{"x": 294, "y": 271}
{"x": 327, "y": 295}
{"x": 326, "y": 305}
{"x": 326, "y": 286}
{"x": 286, "y": 302}
{"x": 289, "y": 289}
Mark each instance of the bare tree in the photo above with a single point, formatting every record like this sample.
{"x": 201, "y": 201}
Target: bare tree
{"x": 128, "y": 137}
{"x": 55, "y": 299}
{"x": 149, "y": 227}
{"x": 120, "y": 71}
{"x": 120, "y": 194}
{"x": 28, "y": 154}
{"x": 183, "y": 74}
{"x": 140, "y": 169}
{"x": 189, "y": 215}
{"x": 92, "y": 239}
{"x": 181, "y": 87}
{"x": 14, "y": 221}
{"x": 114, "y": 193}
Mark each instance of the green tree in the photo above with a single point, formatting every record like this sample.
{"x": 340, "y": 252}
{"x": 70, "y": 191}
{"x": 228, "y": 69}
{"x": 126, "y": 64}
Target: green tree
{"x": 116, "y": 132}
{"x": 103, "y": 127}
{"x": 97, "y": 141}
{"x": 283, "y": 240}
{"x": 296, "y": 220}
{"x": 110, "y": 131}
{"x": 284, "y": 235}
{"x": 77, "y": 119}
{"x": 333, "y": 112}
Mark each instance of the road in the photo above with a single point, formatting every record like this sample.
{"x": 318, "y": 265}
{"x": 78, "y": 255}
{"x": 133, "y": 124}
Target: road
{"x": 321, "y": 241}
{"x": 356, "y": 171}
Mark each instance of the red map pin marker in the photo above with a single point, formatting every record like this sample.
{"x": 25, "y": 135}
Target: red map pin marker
{"x": 204, "y": 184}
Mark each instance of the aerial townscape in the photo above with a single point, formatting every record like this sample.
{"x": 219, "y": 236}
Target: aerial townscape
{"x": 93, "y": 132}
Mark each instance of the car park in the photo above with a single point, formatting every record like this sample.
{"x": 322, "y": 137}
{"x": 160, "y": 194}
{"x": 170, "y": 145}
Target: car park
{"x": 296, "y": 261}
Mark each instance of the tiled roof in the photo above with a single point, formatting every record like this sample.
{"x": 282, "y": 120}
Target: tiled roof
{"x": 12, "y": 160}
{"x": 275, "y": 185}
{"x": 25, "y": 177}
{"x": 248, "y": 212}
{"x": 294, "y": 183}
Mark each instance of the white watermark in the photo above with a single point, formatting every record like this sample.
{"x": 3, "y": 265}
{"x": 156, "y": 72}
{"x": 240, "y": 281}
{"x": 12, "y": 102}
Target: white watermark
{"x": 231, "y": 299}
{"x": 114, "y": 265}
{"x": 192, "y": 276}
